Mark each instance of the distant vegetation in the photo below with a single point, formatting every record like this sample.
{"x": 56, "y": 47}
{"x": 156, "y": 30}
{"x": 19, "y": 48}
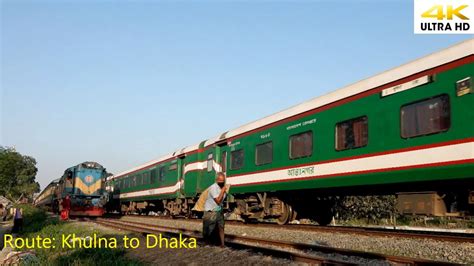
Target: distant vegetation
{"x": 17, "y": 174}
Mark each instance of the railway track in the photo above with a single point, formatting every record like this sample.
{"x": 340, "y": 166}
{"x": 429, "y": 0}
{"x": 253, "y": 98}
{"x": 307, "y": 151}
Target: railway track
{"x": 368, "y": 231}
{"x": 300, "y": 252}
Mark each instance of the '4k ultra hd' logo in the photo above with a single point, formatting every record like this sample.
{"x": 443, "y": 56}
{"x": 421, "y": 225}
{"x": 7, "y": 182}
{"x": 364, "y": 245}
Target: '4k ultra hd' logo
{"x": 443, "y": 16}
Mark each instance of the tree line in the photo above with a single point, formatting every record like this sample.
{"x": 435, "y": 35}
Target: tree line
{"x": 17, "y": 174}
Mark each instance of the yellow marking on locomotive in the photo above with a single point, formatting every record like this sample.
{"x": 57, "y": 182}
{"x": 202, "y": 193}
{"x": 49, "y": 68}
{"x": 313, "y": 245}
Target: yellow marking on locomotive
{"x": 88, "y": 189}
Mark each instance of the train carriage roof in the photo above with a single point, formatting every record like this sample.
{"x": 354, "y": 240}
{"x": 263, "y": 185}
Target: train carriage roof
{"x": 149, "y": 163}
{"x": 160, "y": 159}
{"x": 435, "y": 59}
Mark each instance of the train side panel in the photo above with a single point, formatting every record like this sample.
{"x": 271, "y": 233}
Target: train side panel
{"x": 387, "y": 157}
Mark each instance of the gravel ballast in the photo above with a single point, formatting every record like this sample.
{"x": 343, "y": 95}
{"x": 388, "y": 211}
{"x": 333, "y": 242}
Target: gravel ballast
{"x": 409, "y": 247}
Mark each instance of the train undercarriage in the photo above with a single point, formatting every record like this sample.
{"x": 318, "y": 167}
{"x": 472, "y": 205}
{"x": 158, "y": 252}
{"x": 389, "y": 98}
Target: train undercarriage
{"x": 319, "y": 205}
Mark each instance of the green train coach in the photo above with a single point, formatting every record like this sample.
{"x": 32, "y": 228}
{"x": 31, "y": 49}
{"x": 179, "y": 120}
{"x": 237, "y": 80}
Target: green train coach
{"x": 408, "y": 131}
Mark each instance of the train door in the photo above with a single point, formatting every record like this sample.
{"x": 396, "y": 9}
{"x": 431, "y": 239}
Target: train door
{"x": 223, "y": 162}
{"x": 181, "y": 165}
{"x": 69, "y": 182}
{"x": 189, "y": 177}
{"x": 222, "y": 158}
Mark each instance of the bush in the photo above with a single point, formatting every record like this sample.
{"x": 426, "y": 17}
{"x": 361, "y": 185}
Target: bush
{"x": 34, "y": 219}
{"x": 470, "y": 224}
{"x": 366, "y": 207}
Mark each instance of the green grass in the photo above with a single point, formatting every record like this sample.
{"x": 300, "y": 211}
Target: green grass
{"x": 93, "y": 257}
{"x": 470, "y": 224}
{"x": 38, "y": 223}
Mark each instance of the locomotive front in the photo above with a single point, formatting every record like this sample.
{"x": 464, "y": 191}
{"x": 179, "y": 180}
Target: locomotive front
{"x": 84, "y": 184}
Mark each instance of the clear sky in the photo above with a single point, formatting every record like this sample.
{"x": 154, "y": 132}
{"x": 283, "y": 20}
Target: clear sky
{"x": 122, "y": 83}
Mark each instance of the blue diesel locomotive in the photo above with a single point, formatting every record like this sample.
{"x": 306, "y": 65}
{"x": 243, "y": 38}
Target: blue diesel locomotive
{"x": 84, "y": 183}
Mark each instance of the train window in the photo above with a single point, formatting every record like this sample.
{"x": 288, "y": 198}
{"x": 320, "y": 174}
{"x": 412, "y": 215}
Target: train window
{"x": 153, "y": 176}
{"x": 425, "y": 117}
{"x": 146, "y": 178}
{"x": 301, "y": 145}
{"x": 134, "y": 181}
{"x": 236, "y": 159}
{"x": 353, "y": 133}
{"x": 173, "y": 166}
{"x": 126, "y": 183}
{"x": 162, "y": 174}
{"x": 139, "y": 179}
{"x": 209, "y": 162}
{"x": 264, "y": 153}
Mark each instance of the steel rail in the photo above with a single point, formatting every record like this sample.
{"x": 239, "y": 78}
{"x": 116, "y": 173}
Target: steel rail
{"x": 368, "y": 231}
{"x": 274, "y": 247}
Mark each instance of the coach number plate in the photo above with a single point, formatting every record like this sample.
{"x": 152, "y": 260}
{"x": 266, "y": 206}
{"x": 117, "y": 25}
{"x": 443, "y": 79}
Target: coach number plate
{"x": 463, "y": 86}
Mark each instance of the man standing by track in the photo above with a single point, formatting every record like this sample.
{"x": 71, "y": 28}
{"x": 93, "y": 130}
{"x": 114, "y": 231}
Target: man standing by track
{"x": 213, "y": 212}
